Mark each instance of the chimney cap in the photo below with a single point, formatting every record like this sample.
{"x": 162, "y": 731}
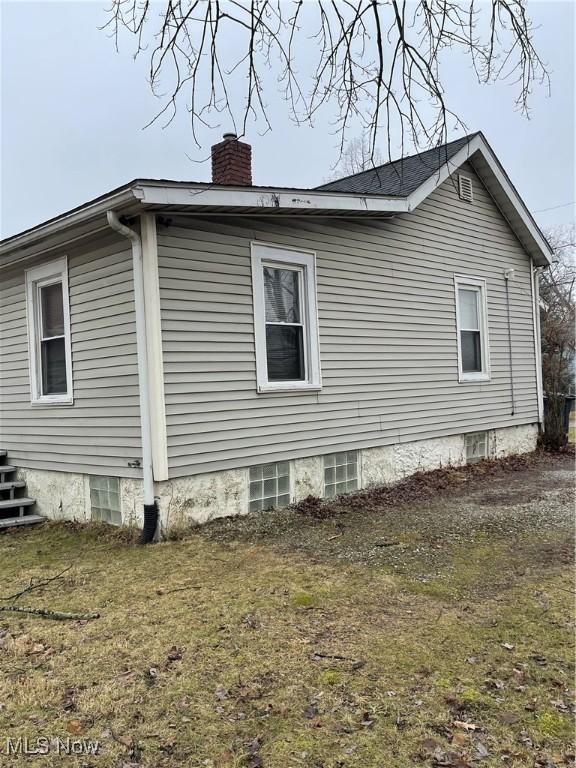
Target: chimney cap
{"x": 229, "y": 136}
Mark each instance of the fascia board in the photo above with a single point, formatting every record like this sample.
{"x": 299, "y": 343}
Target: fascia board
{"x": 267, "y": 199}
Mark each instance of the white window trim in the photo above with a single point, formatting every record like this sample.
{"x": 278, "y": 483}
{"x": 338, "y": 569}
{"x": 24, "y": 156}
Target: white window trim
{"x": 36, "y": 277}
{"x": 465, "y": 281}
{"x": 263, "y": 254}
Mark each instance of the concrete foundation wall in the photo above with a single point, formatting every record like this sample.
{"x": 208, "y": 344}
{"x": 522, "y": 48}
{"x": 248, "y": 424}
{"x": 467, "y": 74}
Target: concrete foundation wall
{"x": 195, "y": 500}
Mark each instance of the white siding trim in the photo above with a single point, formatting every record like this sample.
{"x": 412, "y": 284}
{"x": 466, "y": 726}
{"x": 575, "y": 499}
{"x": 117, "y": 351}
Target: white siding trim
{"x": 535, "y": 285}
{"x": 154, "y": 341}
{"x": 262, "y": 252}
{"x": 45, "y": 274}
{"x": 474, "y": 282}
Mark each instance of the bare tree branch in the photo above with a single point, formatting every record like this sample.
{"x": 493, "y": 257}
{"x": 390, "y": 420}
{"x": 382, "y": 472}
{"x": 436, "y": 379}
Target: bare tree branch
{"x": 557, "y": 319}
{"x": 377, "y": 64}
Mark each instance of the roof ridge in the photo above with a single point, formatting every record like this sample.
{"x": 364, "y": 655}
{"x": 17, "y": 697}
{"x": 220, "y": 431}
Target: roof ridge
{"x": 389, "y": 164}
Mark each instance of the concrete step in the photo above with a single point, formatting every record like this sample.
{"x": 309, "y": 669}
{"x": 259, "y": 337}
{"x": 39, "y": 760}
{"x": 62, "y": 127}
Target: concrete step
{"x": 9, "y": 522}
{"x": 16, "y": 503}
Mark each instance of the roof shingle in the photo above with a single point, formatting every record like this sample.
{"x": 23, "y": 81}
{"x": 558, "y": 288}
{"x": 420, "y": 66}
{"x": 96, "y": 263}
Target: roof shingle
{"x": 400, "y": 177}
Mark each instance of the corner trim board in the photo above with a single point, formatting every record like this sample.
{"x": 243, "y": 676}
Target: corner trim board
{"x": 154, "y": 340}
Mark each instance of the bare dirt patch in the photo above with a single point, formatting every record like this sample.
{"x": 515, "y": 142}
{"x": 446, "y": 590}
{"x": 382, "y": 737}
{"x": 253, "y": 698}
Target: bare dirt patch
{"x": 421, "y": 526}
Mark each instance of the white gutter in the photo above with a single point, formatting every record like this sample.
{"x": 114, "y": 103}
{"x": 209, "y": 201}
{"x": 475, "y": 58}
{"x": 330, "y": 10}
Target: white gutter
{"x": 254, "y": 197}
{"x": 535, "y": 283}
{"x": 77, "y": 216}
{"x": 142, "y": 354}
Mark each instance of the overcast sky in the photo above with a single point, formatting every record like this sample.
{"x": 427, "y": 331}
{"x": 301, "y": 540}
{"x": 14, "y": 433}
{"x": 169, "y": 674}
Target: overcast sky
{"x": 73, "y": 111}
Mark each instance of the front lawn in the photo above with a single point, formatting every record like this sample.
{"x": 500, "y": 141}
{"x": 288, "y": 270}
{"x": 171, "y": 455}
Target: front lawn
{"x": 434, "y": 632}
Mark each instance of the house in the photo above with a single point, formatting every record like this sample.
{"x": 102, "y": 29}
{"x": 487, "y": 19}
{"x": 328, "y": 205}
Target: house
{"x": 190, "y": 350}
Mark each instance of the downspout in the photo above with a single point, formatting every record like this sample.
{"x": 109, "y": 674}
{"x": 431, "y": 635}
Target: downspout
{"x": 535, "y": 283}
{"x": 150, "y": 506}
{"x": 509, "y": 275}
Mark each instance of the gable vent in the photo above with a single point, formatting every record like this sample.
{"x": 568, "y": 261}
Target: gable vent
{"x": 465, "y": 188}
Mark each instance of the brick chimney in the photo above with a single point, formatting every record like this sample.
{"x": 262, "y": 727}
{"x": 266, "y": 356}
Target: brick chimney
{"x": 232, "y": 161}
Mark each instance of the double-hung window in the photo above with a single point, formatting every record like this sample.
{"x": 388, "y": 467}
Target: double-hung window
{"x": 49, "y": 333}
{"x": 472, "y": 329}
{"x": 285, "y": 319}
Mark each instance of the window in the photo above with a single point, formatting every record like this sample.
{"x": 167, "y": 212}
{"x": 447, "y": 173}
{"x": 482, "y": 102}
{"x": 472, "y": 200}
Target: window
{"x": 340, "y": 473}
{"x": 472, "y": 329}
{"x": 49, "y": 333}
{"x": 476, "y": 444}
{"x": 105, "y": 499}
{"x": 465, "y": 189}
{"x": 285, "y": 319}
{"x": 269, "y": 486}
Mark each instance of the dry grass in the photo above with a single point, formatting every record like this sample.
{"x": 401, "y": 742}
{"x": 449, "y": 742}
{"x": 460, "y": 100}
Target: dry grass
{"x": 232, "y": 653}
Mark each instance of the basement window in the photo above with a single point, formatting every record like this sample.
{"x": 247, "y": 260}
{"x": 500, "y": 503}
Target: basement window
{"x": 285, "y": 319}
{"x": 269, "y": 486}
{"x": 340, "y": 473}
{"x": 105, "y": 499}
{"x": 476, "y": 444}
{"x": 48, "y": 313}
{"x": 465, "y": 189}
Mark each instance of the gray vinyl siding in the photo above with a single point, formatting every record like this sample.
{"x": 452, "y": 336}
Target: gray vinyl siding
{"x": 100, "y": 432}
{"x": 388, "y": 341}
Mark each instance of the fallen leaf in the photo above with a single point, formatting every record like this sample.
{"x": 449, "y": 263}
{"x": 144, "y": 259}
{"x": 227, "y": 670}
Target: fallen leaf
{"x": 221, "y": 693}
{"x": 508, "y": 646}
{"x": 37, "y": 648}
{"x": 175, "y": 653}
{"x": 252, "y": 753}
{"x": 559, "y": 704}
{"x": 310, "y": 711}
{"x": 481, "y": 751}
{"x": 466, "y": 726}
{"x": 74, "y": 726}
{"x": 367, "y": 720}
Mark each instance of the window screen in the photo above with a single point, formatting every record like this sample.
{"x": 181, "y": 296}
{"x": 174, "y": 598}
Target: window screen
{"x": 470, "y": 333}
{"x": 340, "y": 473}
{"x": 105, "y": 499}
{"x": 269, "y": 486}
{"x": 476, "y": 444}
{"x": 284, "y": 324}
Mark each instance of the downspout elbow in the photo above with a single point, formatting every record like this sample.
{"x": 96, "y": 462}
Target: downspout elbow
{"x": 150, "y": 505}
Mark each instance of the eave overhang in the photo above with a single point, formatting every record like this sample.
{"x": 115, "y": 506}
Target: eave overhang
{"x": 166, "y": 197}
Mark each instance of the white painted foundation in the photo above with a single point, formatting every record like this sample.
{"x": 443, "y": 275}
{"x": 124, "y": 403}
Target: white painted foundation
{"x": 59, "y": 495}
{"x": 194, "y": 500}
